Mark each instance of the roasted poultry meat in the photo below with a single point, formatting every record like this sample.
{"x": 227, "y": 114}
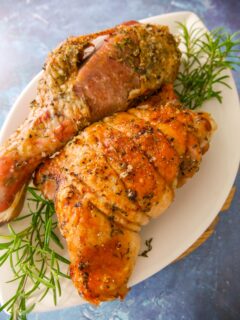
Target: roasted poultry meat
{"x": 113, "y": 178}
{"x": 82, "y": 82}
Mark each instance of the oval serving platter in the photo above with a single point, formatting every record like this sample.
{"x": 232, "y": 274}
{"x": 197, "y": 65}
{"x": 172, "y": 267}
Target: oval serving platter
{"x": 196, "y": 204}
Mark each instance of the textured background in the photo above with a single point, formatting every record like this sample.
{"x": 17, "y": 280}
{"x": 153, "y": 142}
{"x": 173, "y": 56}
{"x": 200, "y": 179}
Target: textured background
{"x": 204, "y": 285}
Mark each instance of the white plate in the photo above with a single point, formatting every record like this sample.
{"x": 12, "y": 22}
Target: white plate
{"x": 195, "y": 205}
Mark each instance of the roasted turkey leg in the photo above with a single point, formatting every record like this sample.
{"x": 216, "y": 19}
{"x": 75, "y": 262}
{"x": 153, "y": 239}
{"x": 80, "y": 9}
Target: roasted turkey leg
{"x": 134, "y": 61}
{"x": 115, "y": 176}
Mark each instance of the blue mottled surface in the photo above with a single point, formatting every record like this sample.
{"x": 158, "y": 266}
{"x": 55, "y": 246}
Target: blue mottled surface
{"x": 205, "y": 285}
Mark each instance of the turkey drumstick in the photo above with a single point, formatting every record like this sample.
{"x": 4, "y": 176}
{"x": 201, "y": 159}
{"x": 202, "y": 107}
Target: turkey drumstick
{"x": 82, "y": 83}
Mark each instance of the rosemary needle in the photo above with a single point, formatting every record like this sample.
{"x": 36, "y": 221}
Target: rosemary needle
{"x": 148, "y": 244}
{"x": 205, "y": 57}
{"x": 33, "y": 260}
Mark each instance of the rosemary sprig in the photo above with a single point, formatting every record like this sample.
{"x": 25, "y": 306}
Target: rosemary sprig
{"x": 34, "y": 261}
{"x": 205, "y": 57}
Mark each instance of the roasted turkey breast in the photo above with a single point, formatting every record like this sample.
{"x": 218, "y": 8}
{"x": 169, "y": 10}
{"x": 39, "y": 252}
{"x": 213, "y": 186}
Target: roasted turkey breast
{"x": 113, "y": 178}
{"x": 81, "y": 83}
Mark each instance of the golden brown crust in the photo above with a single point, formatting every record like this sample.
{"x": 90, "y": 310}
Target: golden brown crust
{"x": 112, "y": 178}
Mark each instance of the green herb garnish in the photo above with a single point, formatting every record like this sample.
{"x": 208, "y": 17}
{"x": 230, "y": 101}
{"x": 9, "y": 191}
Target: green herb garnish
{"x": 148, "y": 244}
{"x": 205, "y": 57}
{"x": 33, "y": 259}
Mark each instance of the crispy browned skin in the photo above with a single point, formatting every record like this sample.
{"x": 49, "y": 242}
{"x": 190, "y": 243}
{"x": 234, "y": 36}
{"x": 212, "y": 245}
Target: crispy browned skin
{"x": 133, "y": 62}
{"x": 112, "y": 178}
